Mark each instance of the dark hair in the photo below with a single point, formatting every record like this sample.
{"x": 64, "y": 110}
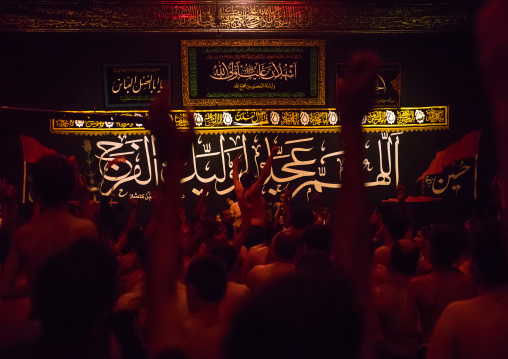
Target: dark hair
{"x": 285, "y": 245}
{"x": 318, "y": 237}
{"x": 227, "y": 253}
{"x": 207, "y": 275}
{"x": 302, "y": 217}
{"x": 384, "y": 210}
{"x": 489, "y": 253}
{"x": 73, "y": 288}
{"x": 297, "y": 318}
{"x": 247, "y": 179}
{"x": 446, "y": 244}
{"x": 316, "y": 264}
{"x": 397, "y": 225}
{"x": 134, "y": 236}
{"x": 53, "y": 179}
{"x": 404, "y": 257}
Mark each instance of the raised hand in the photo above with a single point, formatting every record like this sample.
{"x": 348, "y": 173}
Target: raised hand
{"x": 237, "y": 160}
{"x": 355, "y": 95}
{"x": 171, "y": 144}
{"x": 274, "y": 150}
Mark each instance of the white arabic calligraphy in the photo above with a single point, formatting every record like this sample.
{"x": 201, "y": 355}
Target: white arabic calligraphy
{"x": 256, "y": 71}
{"x": 301, "y": 163}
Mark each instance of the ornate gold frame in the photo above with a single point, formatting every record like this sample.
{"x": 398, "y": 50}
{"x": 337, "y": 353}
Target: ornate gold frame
{"x": 187, "y": 101}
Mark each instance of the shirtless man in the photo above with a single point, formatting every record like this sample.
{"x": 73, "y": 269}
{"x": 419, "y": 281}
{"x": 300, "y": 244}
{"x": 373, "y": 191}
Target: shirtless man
{"x": 395, "y": 226}
{"x": 51, "y": 232}
{"x": 428, "y": 295}
{"x": 251, "y": 201}
{"x": 165, "y": 329}
{"x": 206, "y": 283}
{"x": 285, "y": 244}
{"x": 236, "y": 293}
{"x": 477, "y": 328}
{"x": 398, "y": 335}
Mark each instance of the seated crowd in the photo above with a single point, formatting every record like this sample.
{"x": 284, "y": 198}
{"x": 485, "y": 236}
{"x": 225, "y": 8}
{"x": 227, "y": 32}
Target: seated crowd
{"x": 307, "y": 283}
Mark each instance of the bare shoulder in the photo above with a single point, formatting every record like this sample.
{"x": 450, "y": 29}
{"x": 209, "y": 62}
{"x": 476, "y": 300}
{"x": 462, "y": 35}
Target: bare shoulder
{"x": 22, "y": 235}
{"x": 460, "y": 307}
{"x": 419, "y": 283}
{"x": 238, "y": 289}
{"x": 256, "y": 275}
{"x": 84, "y": 228}
{"x": 257, "y": 271}
{"x": 23, "y": 231}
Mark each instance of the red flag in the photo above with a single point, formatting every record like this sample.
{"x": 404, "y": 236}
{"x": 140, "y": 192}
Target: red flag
{"x": 465, "y": 148}
{"x": 33, "y": 150}
{"x": 117, "y": 159}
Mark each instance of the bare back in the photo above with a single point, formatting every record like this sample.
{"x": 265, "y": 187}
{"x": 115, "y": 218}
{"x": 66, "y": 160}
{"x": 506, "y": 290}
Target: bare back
{"x": 432, "y": 292}
{"x": 262, "y": 275}
{"x": 472, "y": 329}
{"x": 34, "y": 242}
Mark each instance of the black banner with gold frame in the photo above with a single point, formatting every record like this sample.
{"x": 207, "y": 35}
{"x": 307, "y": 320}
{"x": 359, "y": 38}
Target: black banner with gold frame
{"x": 388, "y": 85}
{"x": 134, "y": 85}
{"x": 227, "y": 72}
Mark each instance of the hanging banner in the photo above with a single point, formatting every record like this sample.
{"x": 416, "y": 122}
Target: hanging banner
{"x": 257, "y": 120}
{"x": 387, "y": 86}
{"x": 253, "y": 72}
{"x": 134, "y": 85}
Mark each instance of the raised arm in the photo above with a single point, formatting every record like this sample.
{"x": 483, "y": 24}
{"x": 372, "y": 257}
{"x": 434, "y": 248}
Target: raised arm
{"x": 265, "y": 172}
{"x": 198, "y": 211}
{"x": 239, "y": 238}
{"x": 350, "y": 241}
{"x": 163, "y": 317}
{"x": 236, "y": 179}
{"x": 354, "y": 99}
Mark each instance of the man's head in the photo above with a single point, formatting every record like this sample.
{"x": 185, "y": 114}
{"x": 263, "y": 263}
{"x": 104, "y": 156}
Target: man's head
{"x": 404, "y": 257}
{"x": 298, "y": 317}
{"x": 227, "y": 253}
{"x": 247, "y": 179}
{"x": 302, "y": 218}
{"x": 446, "y": 245}
{"x": 318, "y": 237}
{"x": 422, "y": 236}
{"x": 226, "y": 217}
{"x": 489, "y": 253}
{"x": 396, "y": 225}
{"x": 206, "y": 281}
{"x": 74, "y": 288}
{"x": 380, "y": 212}
{"x": 285, "y": 246}
{"x": 53, "y": 180}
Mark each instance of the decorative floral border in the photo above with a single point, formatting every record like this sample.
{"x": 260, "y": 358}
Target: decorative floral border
{"x": 259, "y": 120}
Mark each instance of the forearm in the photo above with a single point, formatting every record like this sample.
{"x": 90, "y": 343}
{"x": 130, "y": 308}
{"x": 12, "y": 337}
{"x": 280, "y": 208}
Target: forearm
{"x": 265, "y": 172}
{"x": 351, "y": 247}
{"x": 162, "y": 272}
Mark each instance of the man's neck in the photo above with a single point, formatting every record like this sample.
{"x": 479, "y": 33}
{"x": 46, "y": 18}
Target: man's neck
{"x": 54, "y": 210}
